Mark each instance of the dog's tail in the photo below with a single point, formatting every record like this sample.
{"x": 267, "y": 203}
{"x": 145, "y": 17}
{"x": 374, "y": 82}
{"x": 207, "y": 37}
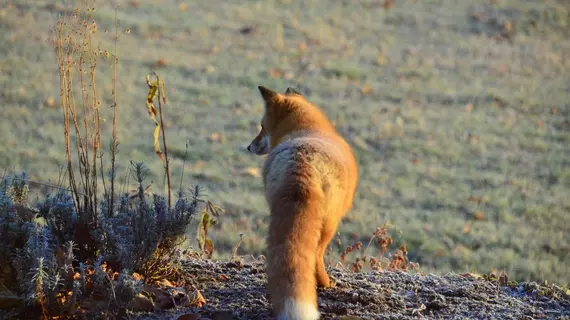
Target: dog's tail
{"x": 294, "y": 234}
{"x": 298, "y": 310}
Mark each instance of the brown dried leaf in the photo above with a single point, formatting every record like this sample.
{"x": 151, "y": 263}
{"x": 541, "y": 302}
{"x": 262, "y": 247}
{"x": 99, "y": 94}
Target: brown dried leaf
{"x": 156, "y": 142}
{"x": 467, "y": 227}
{"x": 215, "y": 137}
{"x": 366, "y": 89}
{"x": 223, "y": 277}
{"x": 275, "y": 73}
{"x": 254, "y": 172}
{"x": 50, "y": 102}
{"x": 183, "y": 7}
{"x": 503, "y": 279}
{"x": 381, "y": 60}
{"x": 479, "y": 216}
{"x": 209, "y": 248}
{"x": 197, "y": 299}
{"x": 165, "y": 283}
{"x": 161, "y": 62}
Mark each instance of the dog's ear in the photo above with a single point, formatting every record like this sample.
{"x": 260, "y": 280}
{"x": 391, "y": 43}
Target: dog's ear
{"x": 292, "y": 91}
{"x": 268, "y": 94}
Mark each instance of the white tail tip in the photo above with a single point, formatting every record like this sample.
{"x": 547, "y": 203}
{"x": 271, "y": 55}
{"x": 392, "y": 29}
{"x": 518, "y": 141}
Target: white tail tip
{"x": 298, "y": 310}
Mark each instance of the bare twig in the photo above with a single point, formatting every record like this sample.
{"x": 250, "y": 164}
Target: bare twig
{"x": 45, "y": 184}
{"x": 236, "y": 247}
{"x": 183, "y": 166}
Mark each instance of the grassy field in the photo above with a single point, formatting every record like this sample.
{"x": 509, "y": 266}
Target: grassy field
{"x": 459, "y": 112}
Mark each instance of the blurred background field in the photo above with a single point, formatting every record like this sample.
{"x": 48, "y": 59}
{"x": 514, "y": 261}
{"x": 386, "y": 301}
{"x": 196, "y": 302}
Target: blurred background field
{"x": 459, "y": 112}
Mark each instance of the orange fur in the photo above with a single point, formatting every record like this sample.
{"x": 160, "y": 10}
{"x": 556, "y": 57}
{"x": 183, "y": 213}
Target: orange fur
{"x": 310, "y": 177}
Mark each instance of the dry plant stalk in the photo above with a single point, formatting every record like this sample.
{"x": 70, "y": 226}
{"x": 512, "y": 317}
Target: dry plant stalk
{"x": 156, "y": 88}
{"x": 77, "y": 61}
{"x": 397, "y": 260}
{"x": 236, "y": 247}
{"x": 209, "y": 218}
{"x": 114, "y": 142}
{"x": 78, "y": 57}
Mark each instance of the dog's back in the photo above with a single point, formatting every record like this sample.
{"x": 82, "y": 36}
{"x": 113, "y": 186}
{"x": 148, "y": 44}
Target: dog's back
{"x": 310, "y": 176}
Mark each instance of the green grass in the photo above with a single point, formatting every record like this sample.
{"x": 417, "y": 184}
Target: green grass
{"x": 424, "y": 61}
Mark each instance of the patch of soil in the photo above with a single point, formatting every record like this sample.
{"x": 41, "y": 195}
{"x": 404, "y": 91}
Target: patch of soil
{"x": 237, "y": 290}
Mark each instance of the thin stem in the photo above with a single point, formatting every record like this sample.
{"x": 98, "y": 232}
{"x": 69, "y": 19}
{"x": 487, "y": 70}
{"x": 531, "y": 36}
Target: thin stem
{"x": 183, "y": 165}
{"x": 63, "y": 66}
{"x": 167, "y": 167}
{"x": 114, "y": 142}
